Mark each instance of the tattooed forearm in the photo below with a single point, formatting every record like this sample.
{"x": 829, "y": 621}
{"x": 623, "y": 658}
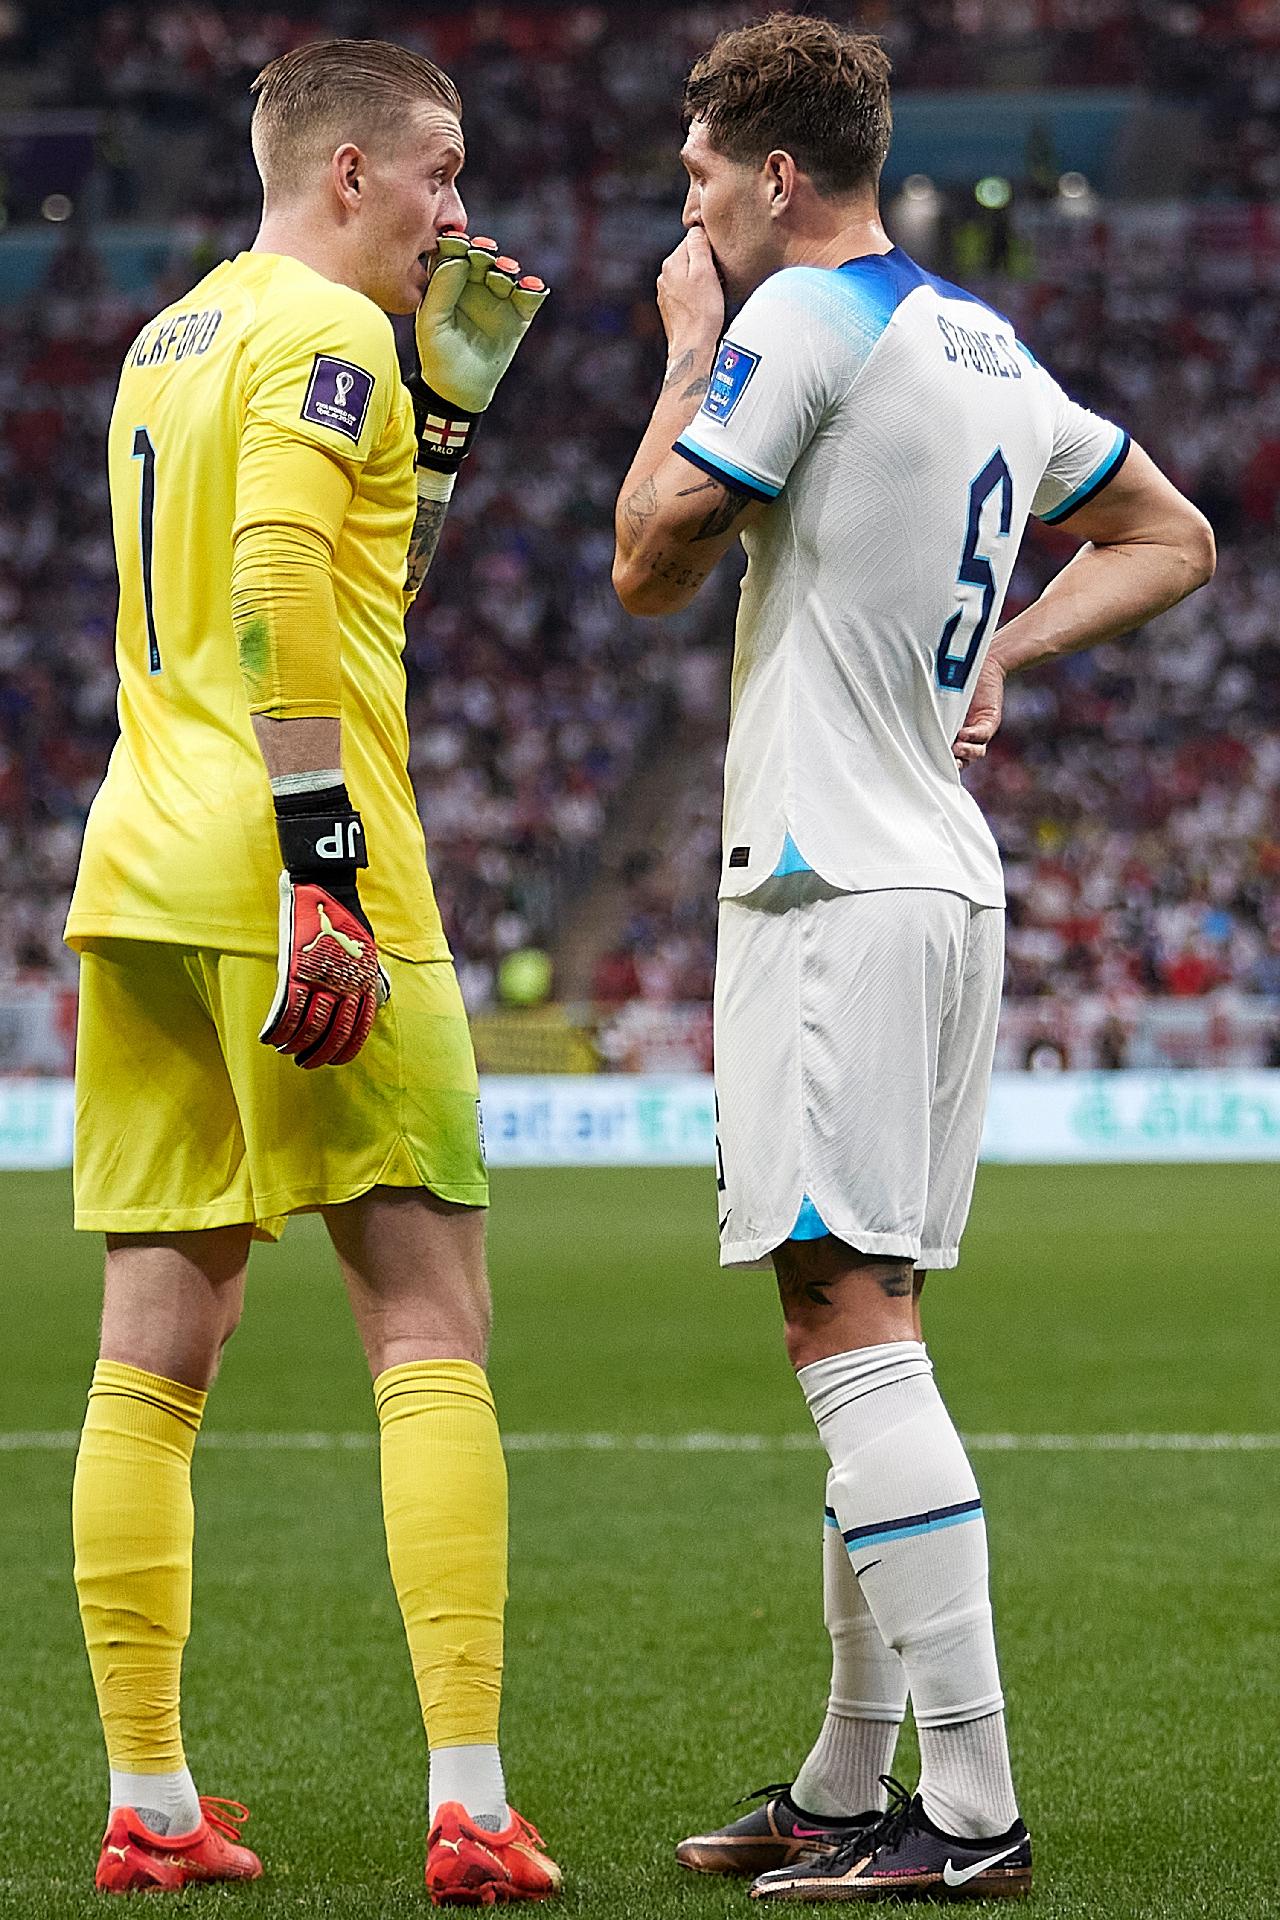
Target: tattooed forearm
{"x": 679, "y": 369}
{"x": 665, "y": 567}
{"x": 423, "y": 542}
{"x": 639, "y": 508}
{"x": 721, "y": 518}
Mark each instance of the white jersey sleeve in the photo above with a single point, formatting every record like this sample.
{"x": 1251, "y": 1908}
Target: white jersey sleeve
{"x": 1088, "y": 451}
{"x": 789, "y": 359}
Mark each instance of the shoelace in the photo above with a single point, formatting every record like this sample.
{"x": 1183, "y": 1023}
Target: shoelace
{"x": 527, "y": 1831}
{"x": 228, "y": 1816}
{"x": 764, "y": 1793}
{"x": 886, "y": 1832}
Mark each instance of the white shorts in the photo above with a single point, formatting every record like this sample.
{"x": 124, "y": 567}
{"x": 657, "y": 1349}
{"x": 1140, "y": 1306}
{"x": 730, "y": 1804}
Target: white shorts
{"x": 854, "y": 1034}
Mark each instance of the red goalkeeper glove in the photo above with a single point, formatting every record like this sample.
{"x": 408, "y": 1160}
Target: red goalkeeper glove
{"x": 329, "y": 985}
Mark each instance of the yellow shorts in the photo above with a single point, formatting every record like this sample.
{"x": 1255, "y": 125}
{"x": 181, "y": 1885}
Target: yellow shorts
{"x": 185, "y": 1120}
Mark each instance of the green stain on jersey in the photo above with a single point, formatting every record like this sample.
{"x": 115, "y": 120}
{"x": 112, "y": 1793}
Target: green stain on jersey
{"x": 254, "y": 643}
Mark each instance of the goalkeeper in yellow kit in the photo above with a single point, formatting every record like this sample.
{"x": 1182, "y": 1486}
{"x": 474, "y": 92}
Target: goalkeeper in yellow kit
{"x": 269, "y": 533}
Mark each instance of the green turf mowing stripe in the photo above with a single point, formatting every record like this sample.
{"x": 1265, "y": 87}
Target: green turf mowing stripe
{"x": 56, "y": 1441}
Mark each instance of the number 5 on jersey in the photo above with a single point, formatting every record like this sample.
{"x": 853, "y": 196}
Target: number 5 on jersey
{"x": 144, "y": 451}
{"x": 955, "y": 667}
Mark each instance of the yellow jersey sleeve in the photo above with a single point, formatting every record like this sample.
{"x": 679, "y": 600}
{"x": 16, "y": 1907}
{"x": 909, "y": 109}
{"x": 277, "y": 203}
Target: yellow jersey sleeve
{"x": 321, "y": 372}
{"x": 285, "y": 614}
{"x": 318, "y": 399}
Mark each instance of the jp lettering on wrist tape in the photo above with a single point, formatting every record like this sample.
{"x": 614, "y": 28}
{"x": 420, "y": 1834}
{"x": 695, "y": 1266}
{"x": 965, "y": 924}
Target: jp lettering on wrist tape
{"x": 322, "y": 845}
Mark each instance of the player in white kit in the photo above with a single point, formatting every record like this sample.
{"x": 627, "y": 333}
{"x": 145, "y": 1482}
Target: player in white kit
{"x": 877, "y": 438}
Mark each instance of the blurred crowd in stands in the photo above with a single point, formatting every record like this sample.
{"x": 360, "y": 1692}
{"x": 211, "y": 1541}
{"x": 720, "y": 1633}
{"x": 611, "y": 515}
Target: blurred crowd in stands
{"x": 583, "y": 99}
{"x": 1135, "y": 791}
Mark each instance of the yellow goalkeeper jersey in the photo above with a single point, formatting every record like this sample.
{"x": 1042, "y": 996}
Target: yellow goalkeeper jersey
{"x": 180, "y": 843}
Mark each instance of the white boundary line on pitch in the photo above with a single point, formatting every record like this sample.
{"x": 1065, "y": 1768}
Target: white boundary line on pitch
{"x": 53, "y": 1441}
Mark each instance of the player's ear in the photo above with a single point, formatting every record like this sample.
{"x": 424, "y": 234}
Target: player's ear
{"x": 780, "y": 174}
{"x": 347, "y": 170}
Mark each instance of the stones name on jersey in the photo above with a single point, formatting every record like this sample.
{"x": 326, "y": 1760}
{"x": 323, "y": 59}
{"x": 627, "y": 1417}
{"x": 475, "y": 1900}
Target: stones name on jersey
{"x": 990, "y": 353}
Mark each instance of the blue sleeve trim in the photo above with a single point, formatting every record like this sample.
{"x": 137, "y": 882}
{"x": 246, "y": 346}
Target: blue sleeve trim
{"x": 725, "y": 470}
{"x": 1095, "y": 483}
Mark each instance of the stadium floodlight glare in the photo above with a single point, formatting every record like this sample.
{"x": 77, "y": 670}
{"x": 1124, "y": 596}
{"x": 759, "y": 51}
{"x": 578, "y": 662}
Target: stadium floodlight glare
{"x": 993, "y": 192}
{"x": 1073, "y": 186}
{"x": 56, "y": 207}
{"x": 916, "y": 208}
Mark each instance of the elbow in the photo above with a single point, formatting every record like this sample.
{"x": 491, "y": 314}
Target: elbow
{"x": 1200, "y": 552}
{"x": 623, "y": 584}
{"x": 640, "y": 593}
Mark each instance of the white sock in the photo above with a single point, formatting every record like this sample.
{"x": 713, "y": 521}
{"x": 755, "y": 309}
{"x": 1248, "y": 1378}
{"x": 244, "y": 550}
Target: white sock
{"x": 473, "y": 1776}
{"x": 165, "y": 1802}
{"x": 867, "y": 1702}
{"x": 966, "y": 1768}
{"x": 908, "y": 1506}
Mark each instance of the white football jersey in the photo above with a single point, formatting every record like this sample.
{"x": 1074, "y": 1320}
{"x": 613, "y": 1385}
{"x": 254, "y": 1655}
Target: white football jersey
{"x": 903, "y": 435}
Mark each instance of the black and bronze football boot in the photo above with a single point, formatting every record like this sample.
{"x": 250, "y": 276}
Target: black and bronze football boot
{"x": 773, "y": 1835}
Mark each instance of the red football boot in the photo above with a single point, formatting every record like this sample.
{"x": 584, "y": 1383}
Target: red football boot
{"x": 135, "y": 1860}
{"x": 468, "y": 1867}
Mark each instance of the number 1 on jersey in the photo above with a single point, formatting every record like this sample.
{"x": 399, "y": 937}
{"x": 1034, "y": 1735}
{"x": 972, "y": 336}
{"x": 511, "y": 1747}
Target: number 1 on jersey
{"x": 144, "y": 451}
{"x": 975, "y": 571}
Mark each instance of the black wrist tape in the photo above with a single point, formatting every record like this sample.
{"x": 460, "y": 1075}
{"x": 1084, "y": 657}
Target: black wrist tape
{"x": 321, "y": 836}
{"x": 444, "y": 431}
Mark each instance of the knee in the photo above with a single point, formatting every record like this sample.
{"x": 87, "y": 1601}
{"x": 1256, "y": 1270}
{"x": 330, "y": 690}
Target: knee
{"x": 454, "y": 1327}
{"x": 803, "y": 1292}
{"x": 799, "y": 1340}
{"x": 230, "y": 1321}
{"x": 484, "y": 1327}
{"x": 834, "y": 1297}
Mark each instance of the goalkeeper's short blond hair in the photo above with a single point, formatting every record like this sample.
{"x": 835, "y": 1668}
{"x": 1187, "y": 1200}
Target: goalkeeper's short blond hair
{"x": 312, "y": 99}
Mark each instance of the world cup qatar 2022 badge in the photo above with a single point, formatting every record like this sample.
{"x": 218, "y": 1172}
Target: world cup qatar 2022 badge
{"x": 733, "y": 368}
{"x": 338, "y": 395}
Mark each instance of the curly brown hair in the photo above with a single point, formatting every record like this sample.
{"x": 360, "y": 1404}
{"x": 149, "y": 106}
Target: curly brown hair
{"x": 801, "y": 85}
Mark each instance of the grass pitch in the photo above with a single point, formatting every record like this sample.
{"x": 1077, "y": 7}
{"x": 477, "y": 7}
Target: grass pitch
{"x": 666, "y": 1650}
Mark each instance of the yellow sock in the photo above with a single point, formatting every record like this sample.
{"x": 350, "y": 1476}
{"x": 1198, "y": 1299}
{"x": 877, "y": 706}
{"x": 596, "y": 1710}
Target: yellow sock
{"x": 133, "y": 1525}
{"x": 444, "y": 1501}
